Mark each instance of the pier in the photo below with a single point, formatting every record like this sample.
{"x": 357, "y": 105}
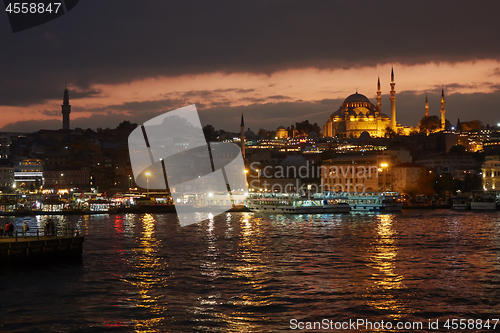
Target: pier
{"x": 40, "y": 248}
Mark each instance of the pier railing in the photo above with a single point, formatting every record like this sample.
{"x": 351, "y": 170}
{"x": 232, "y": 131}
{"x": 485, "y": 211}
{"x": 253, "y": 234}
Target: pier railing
{"x": 42, "y": 232}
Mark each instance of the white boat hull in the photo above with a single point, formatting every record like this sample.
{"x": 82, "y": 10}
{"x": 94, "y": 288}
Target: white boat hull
{"x": 376, "y": 208}
{"x": 330, "y": 209}
{"x": 483, "y": 206}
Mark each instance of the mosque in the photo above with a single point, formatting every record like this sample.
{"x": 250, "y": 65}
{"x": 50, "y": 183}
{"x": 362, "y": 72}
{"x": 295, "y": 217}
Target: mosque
{"x": 357, "y": 115}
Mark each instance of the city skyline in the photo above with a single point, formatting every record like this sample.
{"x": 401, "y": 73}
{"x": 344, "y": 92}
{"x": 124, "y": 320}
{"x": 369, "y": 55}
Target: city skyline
{"x": 269, "y": 61}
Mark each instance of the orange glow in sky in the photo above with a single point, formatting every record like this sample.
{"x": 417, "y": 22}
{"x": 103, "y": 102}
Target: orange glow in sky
{"x": 243, "y": 89}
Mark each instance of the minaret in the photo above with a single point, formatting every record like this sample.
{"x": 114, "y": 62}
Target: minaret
{"x": 443, "y": 111}
{"x": 379, "y": 97}
{"x": 426, "y": 106}
{"x": 242, "y": 136}
{"x": 393, "y": 101}
{"x": 66, "y": 109}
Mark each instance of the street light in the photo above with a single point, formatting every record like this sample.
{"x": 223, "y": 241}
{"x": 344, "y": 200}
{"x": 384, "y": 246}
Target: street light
{"x": 384, "y": 167}
{"x": 147, "y": 181}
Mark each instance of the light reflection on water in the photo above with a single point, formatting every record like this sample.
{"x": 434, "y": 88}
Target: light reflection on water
{"x": 384, "y": 252}
{"x": 243, "y": 272}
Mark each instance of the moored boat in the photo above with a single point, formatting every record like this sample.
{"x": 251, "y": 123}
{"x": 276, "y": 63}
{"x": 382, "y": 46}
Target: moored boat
{"x": 294, "y": 204}
{"x": 460, "y": 203}
{"x": 370, "y": 201}
{"x": 485, "y": 200}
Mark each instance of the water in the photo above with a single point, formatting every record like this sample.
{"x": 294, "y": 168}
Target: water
{"x": 244, "y": 272}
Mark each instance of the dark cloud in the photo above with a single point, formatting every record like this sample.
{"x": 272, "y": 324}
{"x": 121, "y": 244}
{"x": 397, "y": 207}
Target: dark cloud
{"x": 51, "y": 113}
{"x": 496, "y": 72}
{"x": 244, "y": 91}
{"x": 144, "y": 106}
{"x": 76, "y": 94}
{"x": 252, "y": 99}
{"x": 127, "y": 41}
{"x": 278, "y": 97}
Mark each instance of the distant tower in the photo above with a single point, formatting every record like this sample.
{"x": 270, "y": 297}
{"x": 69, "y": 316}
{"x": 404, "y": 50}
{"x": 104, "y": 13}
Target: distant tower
{"x": 242, "y": 136}
{"x": 379, "y": 97}
{"x": 66, "y": 109}
{"x": 443, "y": 111}
{"x": 426, "y": 106}
{"x": 393, "y": 101}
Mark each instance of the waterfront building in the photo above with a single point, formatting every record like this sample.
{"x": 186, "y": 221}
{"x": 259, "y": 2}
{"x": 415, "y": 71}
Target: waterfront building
{"x": 57, "y": 158}
{"x": 492, "y": 144}
{"x": 6, "y": 176}
{"x": 491, "y": 173}
{"x": 28, "y": 172}
{"x": 456, "y": 165}
{"x": 6, "y": 139}
{"x": 405, "y": 175}
{"x": 369, "y": 171}
{"x": 350, "y": 174}
{"x": 68, "y": 179}
{"x": 281, "y": 133}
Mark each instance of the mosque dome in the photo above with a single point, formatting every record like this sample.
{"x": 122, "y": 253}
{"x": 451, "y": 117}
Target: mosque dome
{"x": 313, "y": 135}
{"x": 250, "y": 134}
{"x": 357, "y": 98}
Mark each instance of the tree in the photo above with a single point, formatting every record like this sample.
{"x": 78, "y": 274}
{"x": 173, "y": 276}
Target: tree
{"x": 126, "y": 126}
{"x": 430, "y": 124}
{"x": 389, "y": 132}
{"x": 473, "y": 125}
{"x": 447, "y": 124}
{"x": 304, "y": 128}
{"x": 210, "y": 133}
{"x": 413, "y": 132}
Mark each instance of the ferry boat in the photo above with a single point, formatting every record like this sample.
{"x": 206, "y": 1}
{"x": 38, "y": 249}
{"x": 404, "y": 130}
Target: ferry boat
{"x": 460, "y": 203}
{"x": 284, "y": 203}
{"x": 370, "y": 201}
{"x": 485, "y": 200}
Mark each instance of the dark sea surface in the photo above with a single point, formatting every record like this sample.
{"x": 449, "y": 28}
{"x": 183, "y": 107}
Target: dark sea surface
{"x": 245, "y": 272}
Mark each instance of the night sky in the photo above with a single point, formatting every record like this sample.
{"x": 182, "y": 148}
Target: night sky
{"x": 278, "y": 62}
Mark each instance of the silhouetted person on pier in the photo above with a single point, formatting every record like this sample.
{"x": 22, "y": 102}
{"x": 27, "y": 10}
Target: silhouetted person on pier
{"x": 25, "y": 228}
{"x": 47, "y": 227}
{"x": 52, "y": 227}
{"x": 11, "y": 229}
{"x": 6, "y": 229}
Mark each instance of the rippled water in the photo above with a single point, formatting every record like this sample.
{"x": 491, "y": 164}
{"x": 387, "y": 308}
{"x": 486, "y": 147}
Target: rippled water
{"x": 244, "y": 272}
